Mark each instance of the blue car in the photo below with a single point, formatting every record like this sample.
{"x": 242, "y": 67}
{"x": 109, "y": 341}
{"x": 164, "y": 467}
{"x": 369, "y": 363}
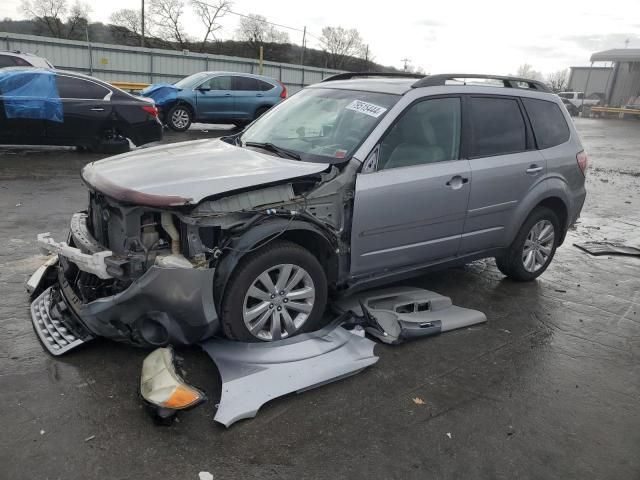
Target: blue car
{"x": 215, "y": 97}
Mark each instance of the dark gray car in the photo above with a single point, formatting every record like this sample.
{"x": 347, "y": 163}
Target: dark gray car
{"x": 356, "y": 181}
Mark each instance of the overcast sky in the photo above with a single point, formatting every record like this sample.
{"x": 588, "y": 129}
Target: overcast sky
{"x": 487, "y": 36}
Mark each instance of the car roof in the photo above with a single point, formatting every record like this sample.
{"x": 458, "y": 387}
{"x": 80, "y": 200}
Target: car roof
{"x": 401, "y": 85}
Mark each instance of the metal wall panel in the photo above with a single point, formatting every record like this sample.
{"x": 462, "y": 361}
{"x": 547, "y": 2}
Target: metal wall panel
{"x": 134, "y": 64}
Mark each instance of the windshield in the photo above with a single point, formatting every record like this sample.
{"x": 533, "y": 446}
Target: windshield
{"x": 192, "y": 80}
{"x": 320, "y": 124}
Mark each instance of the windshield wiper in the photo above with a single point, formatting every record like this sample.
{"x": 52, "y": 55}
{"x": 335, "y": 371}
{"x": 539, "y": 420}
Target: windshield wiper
{"x": 282, "y": 152}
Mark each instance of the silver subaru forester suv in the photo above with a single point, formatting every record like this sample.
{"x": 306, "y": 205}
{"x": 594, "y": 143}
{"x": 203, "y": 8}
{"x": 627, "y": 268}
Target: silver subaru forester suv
{"x": 355, "y": 181}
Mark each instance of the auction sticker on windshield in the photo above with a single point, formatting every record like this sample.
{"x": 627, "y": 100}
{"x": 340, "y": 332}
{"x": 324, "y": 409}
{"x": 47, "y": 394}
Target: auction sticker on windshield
{"x": 366, "y": 108}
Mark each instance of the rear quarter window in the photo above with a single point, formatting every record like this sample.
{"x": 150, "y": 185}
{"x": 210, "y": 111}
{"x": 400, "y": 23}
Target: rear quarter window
{"x": 265, "y": 86}
{"x": 549, "y": 125}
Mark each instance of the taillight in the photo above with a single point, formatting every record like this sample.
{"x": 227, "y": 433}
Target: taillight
{"x": 582, "y": 162}
{"x": 283, "y": 93}
{"x": 153, "y": 111}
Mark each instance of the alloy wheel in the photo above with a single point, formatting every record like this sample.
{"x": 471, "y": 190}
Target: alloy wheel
{"x": 538, "y": 246}
{"x": 180, "y": 118}
{"x": 278, "y": 302}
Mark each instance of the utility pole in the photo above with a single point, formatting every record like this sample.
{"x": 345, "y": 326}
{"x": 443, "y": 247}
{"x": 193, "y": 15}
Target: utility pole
{"x": 406, "y": 63}
{"x": 366, "y": 57}
{"x": 142, "y": 24}
{"x": 304, "y": 39}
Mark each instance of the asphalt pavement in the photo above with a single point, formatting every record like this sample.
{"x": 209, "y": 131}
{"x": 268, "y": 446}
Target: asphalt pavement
{"x": 548, "y": 388}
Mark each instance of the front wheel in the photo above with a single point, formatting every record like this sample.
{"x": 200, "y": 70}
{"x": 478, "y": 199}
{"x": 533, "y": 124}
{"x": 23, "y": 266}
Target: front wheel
{"x": 179, "y": 118}
{"x": 533, "y": 248}
{"x": 275, "y": 293}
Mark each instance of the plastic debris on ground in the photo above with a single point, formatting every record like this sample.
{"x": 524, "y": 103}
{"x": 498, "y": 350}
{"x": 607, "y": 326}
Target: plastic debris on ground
{"x": 399, "y": 314}
{"x": 608, "y": 248}
{"x": 31, "y": 94}
{"x": 254, "y": 373}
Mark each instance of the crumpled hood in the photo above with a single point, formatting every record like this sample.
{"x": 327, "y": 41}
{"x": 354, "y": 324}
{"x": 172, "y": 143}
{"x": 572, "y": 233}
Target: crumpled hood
{"x": 185, "y": 173}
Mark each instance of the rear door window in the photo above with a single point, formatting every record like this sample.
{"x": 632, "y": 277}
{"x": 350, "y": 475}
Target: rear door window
{"x": 78, "y": 88}
{"x": 497, "y": 126}
{"x": 245, "y": 84}
{"x": 549, "y": 125}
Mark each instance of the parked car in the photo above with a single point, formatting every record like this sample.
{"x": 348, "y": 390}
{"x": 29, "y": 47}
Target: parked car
{"x": 578, "y": 99}
{"x": 571, "y": 108}
{"x": 215, "y": 97}
{"x": 20, "y": 59}
{"x": 351, "y": 182}
{"x": 55, "y": 107}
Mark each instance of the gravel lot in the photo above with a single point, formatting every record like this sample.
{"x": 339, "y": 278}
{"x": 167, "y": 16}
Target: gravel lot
{"x": 548, "y": 388}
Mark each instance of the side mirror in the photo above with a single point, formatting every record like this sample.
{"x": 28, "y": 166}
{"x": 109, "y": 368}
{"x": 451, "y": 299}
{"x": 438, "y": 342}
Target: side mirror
{"x": 203, "y": 89}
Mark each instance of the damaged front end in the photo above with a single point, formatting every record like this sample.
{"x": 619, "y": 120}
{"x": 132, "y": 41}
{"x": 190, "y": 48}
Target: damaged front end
{"x": 153, "y": 274}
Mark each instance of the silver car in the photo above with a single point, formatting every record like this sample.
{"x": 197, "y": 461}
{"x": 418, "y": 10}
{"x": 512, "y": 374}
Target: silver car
{"x": 355, "y": 181}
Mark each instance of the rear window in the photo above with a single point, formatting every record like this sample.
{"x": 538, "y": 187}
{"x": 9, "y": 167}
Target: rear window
{"x": 549, "y": 126}
{"x": 497, "y": 127}
{"x": 70, "y": 87}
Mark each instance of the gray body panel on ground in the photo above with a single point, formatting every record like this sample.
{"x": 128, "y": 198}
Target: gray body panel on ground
{"x": 405, "y": 313}
{"x": 254, "y": 373}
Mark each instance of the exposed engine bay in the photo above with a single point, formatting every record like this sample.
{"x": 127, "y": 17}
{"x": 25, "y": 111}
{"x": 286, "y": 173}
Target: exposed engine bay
{"x": 151, "y": 274}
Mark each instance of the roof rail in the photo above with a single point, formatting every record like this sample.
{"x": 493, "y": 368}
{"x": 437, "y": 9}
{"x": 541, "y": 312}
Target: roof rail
{"x": 508, "y": 82}
{"x": 350, "y": 75}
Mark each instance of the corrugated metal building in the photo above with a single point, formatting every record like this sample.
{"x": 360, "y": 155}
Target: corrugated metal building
{"x": 151, "y": 65}
{"x": 625, "y": 77}
{"x": 599, "y": 78}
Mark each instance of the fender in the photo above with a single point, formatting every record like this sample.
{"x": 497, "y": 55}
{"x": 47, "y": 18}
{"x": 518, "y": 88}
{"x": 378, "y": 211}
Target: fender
{"x": 551, "y": 187}
{"x": 253, "y": 237}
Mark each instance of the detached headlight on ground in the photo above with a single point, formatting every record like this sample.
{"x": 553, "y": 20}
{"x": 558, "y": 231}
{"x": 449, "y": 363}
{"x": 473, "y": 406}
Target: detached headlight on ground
{"x": 163, "y": 388}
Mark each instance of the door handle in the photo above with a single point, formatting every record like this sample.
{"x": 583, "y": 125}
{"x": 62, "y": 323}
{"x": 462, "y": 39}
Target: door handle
{"x": 533, "y": 169}
{"x": 227, "y": 94}
{"x": 456, "y": 182}
{"x": 259, "y": 95}
{"x": 97, "y": 109}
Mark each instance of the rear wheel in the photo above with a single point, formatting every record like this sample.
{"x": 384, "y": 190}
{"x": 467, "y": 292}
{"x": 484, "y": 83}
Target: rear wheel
{"x": 533, "y": 248}
{"x": 179, "y": 118}
{"x": 274, "y": 293}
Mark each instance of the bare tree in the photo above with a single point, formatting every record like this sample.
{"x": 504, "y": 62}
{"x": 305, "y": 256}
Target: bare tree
{"x": 256, "y": 30}
{"x": 78, "y": 19}
{"x": 48, "y": 13}
{"x": 209, "y": 14}
{"x": 526, "y": 71}
{"x": 127, "y": 22}
{"x": 339, "y": 43}
{"x": 166, "y": 16}
{"x": 558, "y": 81}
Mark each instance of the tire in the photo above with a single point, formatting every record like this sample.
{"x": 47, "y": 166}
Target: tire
{"x": 512, "y": 263}
{"x": 261, "y": 111}
{"x": 266, "y": 312}
{"x": 179, "y": 118}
